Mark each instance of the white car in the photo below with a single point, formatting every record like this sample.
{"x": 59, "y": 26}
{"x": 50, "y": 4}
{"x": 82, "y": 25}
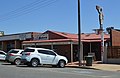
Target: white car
{"x": 2, "y": 55}
{"x": 35, "y": 56}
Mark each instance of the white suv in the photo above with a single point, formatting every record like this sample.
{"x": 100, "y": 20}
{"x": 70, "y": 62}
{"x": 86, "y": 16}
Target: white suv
{"x": 35, "y": 56}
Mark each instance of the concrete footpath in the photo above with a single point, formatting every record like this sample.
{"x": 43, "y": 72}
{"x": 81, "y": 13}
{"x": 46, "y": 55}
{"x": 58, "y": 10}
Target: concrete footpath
{"x": 96, "y": 66}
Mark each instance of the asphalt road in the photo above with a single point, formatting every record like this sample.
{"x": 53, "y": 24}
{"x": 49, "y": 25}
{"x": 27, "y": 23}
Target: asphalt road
{"x": 12, "y": 71}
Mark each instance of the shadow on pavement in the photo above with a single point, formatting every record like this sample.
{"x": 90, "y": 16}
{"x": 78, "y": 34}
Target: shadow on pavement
{"x": 39, "y": 66}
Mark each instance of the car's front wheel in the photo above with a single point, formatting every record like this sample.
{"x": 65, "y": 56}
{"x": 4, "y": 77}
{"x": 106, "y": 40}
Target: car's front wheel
{"x": 34, "y": 62}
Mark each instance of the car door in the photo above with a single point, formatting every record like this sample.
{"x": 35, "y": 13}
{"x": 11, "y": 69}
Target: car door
{"x": 43, "y": 56}
{"x": 50, "y": 57}
{"x": 47, "y": 57}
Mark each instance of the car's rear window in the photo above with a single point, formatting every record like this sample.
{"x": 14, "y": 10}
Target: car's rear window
{"x": 29, "y": 50}
{"x": 13, "y": 51}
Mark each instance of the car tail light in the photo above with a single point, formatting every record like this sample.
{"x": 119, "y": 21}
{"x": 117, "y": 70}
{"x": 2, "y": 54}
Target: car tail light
{"x": 27, "y": 54}
{"x": 11, "y": 54}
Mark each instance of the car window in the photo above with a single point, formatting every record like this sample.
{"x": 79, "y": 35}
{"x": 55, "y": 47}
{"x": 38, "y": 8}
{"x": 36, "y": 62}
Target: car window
{"x": 29, "y": 50}
{"x": 21, "y": 52}
{"x": 2, "y": 53}
{"x": 46, "y": 52}
{"x": 51, "y": 53}
{"x": 13, "y": 51}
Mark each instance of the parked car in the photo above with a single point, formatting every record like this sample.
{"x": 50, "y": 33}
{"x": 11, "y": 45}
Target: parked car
{"x": 35, "y": 56}
{"x": 2, "y": 55}
{"x": 14, "y": 56}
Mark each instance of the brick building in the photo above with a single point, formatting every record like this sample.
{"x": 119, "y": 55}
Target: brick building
{"x": 115, "y": 37}
{"x": 11, "y": 41}
{"x": 113, "y": 49}
{"x": 67, "y": 44}
{"x": 63, "y": 43}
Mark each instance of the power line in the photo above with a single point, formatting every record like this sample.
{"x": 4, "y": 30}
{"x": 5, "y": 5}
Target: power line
{"x": 21, "y": 12}
{"x": 22, "y": 8}
{"x": 27, "y": 9}
{"x": 18, "y": 10}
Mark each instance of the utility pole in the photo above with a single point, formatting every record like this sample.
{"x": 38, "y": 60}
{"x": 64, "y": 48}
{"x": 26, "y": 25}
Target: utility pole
{"x": 80, "y": 54}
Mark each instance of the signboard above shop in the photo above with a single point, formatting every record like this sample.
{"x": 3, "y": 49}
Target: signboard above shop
{"x": 44, "y": 37}
{"x": 22, "y": 36}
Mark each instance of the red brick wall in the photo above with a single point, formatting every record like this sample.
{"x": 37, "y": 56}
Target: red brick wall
{"x": 63, "y": 50}
{"x": 115, "y": 36}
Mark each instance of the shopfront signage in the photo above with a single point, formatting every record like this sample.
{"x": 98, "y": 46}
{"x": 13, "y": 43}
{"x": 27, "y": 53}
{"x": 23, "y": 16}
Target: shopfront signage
{"x": 44, "y": 37}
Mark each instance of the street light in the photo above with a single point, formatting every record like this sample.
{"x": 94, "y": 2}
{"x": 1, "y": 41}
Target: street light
{"x": 100, "y": 31}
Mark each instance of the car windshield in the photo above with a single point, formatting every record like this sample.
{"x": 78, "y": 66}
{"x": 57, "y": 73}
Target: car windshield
{"x": 29, "y": 50}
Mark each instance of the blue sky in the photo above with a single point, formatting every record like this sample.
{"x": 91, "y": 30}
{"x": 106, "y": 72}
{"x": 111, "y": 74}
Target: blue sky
{"x": 58, "y": 16}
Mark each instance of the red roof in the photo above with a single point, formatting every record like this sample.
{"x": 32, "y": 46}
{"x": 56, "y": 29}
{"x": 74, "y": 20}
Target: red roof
{"x": 92, "y": 37}
{"x": 83, "y": 36}
{"x": 67, "y": 35}
{"x": 95, "y": 36}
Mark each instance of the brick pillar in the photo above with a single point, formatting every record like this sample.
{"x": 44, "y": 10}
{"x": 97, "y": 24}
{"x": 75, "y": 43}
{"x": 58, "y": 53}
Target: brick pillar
{"x": 4, "y": 46}
{"x": 17, "y": 45}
